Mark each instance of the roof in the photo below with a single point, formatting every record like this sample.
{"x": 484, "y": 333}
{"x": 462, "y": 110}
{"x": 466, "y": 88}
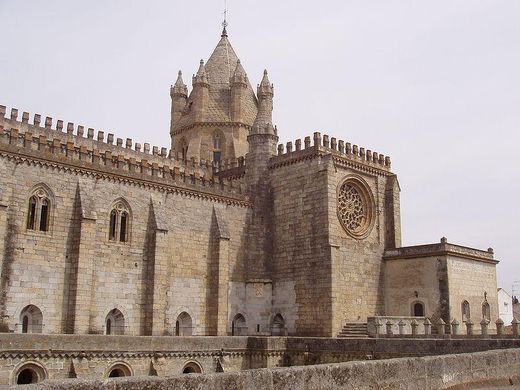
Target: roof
{"x": 219, "y": 69}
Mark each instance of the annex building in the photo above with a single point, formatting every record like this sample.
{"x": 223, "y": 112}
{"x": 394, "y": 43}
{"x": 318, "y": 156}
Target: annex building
{"x": 227, "y": 232}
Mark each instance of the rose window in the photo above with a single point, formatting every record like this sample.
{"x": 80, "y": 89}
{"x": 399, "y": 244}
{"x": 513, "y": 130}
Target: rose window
{"x": 354, "y": 208}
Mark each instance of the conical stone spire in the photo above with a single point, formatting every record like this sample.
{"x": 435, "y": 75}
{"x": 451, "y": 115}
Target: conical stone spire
{"x": 264, "y": 119}
{"x": 201, "y": 76}
{"x": 179, "y": 88}
{"x": 265, "y": 86}
{"x": 239, "y": 75}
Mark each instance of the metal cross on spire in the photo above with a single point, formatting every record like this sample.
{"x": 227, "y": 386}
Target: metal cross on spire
{"x": 224, "y": 23}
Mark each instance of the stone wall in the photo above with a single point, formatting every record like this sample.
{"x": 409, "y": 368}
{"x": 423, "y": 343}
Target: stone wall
{"x": 441, "y": 276}
{"x": 93, "y": 356}
{"x": 181, "y": 229}
{"x": 408, "y": 281}
{"x": 434, "y": 372}
{"x": 475, "y": 282}
{"x": 336, "y": 277}
{"x": 301, "y": 256}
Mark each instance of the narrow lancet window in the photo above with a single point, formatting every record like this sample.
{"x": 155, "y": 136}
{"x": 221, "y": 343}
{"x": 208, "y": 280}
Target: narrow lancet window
{"x": 44, "y": 215}
{"x": 113, "y": 219}
{"x": 122, "y": 229}
{"x": 31, "y": 221}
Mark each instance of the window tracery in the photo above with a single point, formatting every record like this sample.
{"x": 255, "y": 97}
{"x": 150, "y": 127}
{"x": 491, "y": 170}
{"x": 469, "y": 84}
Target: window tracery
{"x": 217, "y": 146}
{"x": 119, "y": 223}
{"x": 355, "y": 208}
{"x": 38, "y": 216}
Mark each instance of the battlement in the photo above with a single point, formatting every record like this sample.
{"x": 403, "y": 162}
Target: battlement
{"x": 72, "y": 147}
{"x": 338, "y": 147}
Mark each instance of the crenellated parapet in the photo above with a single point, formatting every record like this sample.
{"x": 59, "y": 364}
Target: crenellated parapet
{"x": 76, "y": 149}
{"x": 340, "y": 149}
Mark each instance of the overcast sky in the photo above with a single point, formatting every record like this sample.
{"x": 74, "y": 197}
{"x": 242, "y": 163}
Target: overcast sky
{"x": 434, "y": 84}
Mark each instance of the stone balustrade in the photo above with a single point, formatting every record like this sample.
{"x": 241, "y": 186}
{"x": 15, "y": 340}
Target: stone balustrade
{"x": 395, "y": 326}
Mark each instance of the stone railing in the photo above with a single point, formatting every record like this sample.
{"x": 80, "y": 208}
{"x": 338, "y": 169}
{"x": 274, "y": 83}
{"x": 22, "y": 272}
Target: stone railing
{"x": 395, "y": 326}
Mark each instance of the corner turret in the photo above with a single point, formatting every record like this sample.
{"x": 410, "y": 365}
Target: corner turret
{"x": 179, "y": 95}
{"x": 262, "y": 146}
{"x": 264, "y": 119}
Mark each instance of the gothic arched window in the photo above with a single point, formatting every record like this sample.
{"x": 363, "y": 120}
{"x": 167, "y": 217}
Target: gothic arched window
{"x": 119, "y": 223}
{"x": 183, "y": 148}
{"x": 217, "y": 146}
{"x": 184, "y": 325}
{"x": 38, "y": 216}
{"x": 31, "y": 319}
{"x": 239, "y": 326}
{"x": 115, "y": 323}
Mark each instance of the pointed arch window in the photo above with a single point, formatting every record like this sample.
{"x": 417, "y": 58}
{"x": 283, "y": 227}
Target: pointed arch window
{"x": 183, "y": 148}
{"x": 38, "y": 215}
{"x": 217, "y": 146}
{"x": 119, "y": 222}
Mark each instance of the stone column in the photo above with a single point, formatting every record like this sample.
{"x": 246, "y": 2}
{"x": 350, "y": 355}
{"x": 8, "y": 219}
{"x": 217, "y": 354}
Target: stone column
{"x": 441, "y": 327}
{"x": 84, "y": 285}
{"x": 160, "y": 287}
{"x": 401, "y": 325}
{"x": 500, "y": 327}
{"x": 455, "y": 327}
{"x": 414, "y": 324}
{"x": 427, "y": 326}
{"x": 484, "y": 327}
{"x": 469, "y": 327}
{"x": 516, "y": 327}
{"x": 223, "y": 283}
{"x": 378, "y": 326}
{"x": 389, "y": 330}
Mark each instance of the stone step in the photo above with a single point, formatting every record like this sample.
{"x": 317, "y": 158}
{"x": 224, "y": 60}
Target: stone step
{"x": 354, "y": 330}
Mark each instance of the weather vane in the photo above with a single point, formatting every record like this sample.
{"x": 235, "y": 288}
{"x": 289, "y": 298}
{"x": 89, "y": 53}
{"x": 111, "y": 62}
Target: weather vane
{"x": 224, "y": 23}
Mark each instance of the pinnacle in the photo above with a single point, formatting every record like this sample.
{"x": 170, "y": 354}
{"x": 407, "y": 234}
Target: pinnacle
{"x": 265, "y": 80}
{"x": 202, "y": 69}
{"x": 179, "y": 82}
{"x": 239, "y": 70}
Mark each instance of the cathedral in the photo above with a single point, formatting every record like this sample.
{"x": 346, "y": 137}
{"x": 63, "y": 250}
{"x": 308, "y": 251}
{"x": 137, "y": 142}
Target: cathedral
{"x": 227, "y": 232}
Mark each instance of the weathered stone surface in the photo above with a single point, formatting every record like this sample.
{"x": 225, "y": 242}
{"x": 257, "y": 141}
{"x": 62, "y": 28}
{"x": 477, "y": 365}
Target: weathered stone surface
{"x": 436, "y": 372}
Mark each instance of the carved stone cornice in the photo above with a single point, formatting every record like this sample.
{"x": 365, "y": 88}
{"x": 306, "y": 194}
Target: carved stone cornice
{"x": 209, "y": 124}
{"x": 78, "y": 167}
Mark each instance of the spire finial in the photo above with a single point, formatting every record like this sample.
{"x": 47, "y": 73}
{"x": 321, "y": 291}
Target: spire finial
{"x": 224, "y": 22}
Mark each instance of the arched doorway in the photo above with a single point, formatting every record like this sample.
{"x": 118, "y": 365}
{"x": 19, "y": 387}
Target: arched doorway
{"x": 183, "y": 325}
{"x": 418, "y": 309}
{"x": 115, "y": 323}
{"x": 278, "y": 326}
{"x": 239, "y": 326}
{"x": 31, "y": 319}
{"x": 192, "y": 367}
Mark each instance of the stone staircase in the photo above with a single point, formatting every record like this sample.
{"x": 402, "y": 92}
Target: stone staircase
{"x": 354, "y": 330}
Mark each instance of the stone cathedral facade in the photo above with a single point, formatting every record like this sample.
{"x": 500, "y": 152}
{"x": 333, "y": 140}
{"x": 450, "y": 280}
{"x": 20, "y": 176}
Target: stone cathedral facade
{"x": 225, "y": 233}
